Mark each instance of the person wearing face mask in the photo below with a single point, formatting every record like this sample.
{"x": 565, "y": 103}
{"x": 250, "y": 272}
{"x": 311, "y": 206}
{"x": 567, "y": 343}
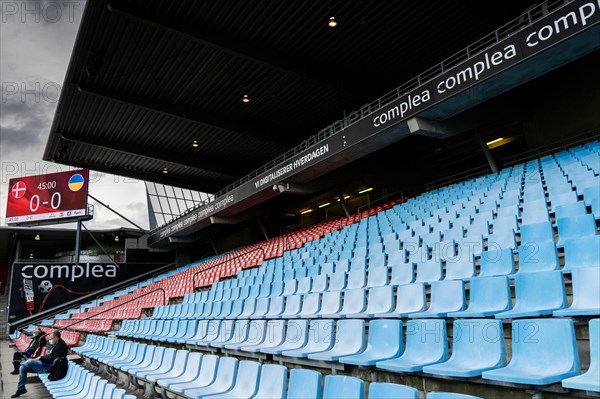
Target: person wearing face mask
{"x": 41, "y": 364}
{"x": 38, "y": 342}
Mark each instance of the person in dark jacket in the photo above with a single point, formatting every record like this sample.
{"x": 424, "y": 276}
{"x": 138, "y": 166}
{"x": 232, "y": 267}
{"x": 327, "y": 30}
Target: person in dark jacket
{"x": 38, "y": 342}
{"x": 40, "y": 365}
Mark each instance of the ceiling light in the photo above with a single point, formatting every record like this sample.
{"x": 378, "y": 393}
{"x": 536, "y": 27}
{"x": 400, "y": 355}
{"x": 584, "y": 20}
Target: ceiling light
{"x": 332, "y": 22}
{"x": 306, "y": 211}
{"x": 37, "y": 237}
{"x": 165, "y": 170}
{"x": 324, "y": 205}
{"x": 499, "y": 139}
{"x": 30, "y": 256}
{"x": 366, "y": 190}
{"x": 195, "y": 143}
{"x": 245, "y": 99}
{"x": 116, "y": 238}
{"x": 345, "y": 197}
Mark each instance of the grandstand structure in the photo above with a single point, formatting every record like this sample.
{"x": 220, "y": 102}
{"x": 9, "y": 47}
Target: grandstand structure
{"x": 441, "y": 241}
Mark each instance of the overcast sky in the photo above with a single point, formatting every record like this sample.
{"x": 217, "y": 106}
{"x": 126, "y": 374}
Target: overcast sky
{"x": 36, "y": 41}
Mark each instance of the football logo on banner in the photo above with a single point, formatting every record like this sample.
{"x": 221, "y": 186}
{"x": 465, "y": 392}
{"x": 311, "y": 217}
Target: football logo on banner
{"x": 76, "y": 182}
{"x": 18, "y": 189}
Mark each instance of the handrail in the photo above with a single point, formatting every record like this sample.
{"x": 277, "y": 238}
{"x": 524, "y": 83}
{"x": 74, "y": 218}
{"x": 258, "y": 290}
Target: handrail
{"x": 444, "y": 181}
{"x": 121, "y": 304}
{"x": 507, "y": 30}
{"x": 370, "y": 203}
{"x": 225, "y": 261}
{"x": 90, "y": 297}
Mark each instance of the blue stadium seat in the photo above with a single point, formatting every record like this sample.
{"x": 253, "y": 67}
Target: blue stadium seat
{"x": 590, "y": 380}
{"x": 535, "y": 211}
{"x": 540, "y": 256}
{"x": 488, "y": 296}
{"x": 477, "y": 346}
{"x": 276, "y": 308}
{"x": 296, "y": 337}
{"x": 575, "y": 227}
{"x": 273, "y": 335}
{"x": 410, "y": 298}
{"x": 355, "y": 301}
{"x": 543, "y": 352}
{"x": 320, "y": 283}
{"x": 304, "y": 384}
{"x": 428, "y": 271}
{"x": 331, "y": 304}
{"x": 383, "y": 390}
{"x": 380, "y": 300}
{"x": 582, "y": 252}
{"x": 460, "y": 268}
{"x": 536, "y": 233}
{"x": 320, "y": 339}
{"x": 182, "y": 357}
{"x": 272, "y": 383}
{"x": 586, "y": 286}
{"x": 191, "y": 370}
{"x": 446, "y": 296}
{"x": 497, "y": 262}
{"x": 402, "y": 274}
{"x": 245, "y": 386}
{"x": 385, "y": 342}
{"x": 570, "y": 210}
{"x": 293, "y": 306}
{"x": 224, "y": 380}
{"x": 237, "y": 336}
{"x": 343, "y": 387}
{"x": 311, "y": 304}
{"x": 426, "y": 343}
{"x": 377, "y": 277}
{"x": 349, "y": 340}
{"x": 337, "y": 281}
{"x": 537, "y": 294}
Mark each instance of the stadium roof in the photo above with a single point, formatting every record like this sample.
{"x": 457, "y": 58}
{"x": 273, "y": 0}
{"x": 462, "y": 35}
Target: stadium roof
{"x": 157, "y": 86}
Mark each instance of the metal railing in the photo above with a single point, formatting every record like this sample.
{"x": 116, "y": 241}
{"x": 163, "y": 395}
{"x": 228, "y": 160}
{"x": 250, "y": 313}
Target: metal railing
{"x": 370, "y": 204}
{"x": 457, "y": 177}
{"x": 514, "y": 26}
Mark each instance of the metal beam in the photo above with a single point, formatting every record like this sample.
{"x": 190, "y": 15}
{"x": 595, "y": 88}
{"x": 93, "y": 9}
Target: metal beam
{"x": 201, "y": 163}
{"x": 238, "y": 49}
{"x": 205, "y": 118}
{"x": 170, "y": 180}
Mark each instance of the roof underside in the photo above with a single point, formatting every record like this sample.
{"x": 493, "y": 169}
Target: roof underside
{"x": 147, "y": 78}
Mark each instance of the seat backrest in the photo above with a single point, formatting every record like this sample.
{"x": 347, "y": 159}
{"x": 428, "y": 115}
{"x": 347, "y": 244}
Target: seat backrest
{"x": 386, "y": 335}
{"x": 426, "y": 340}
{"x": 410, "y": 298}
{"x": 350, "y": 334}
{"x": 304, "y": 384}
{"x": 384, "y": 390}
{"x": 582, "y": 252}
{"x": 497, "y": 262}
{"x": 545, "y": 342}
{"x": 586, "y": 286}
{"x": 343, "y": 387}
{"x": 576, "y": 226}
{"x": 479, "y": 342}
{"x": 538, "y": 257}
{"x": 428, "y": 271}
{"x": 460, "y": 267}
{"x": 536, "y": 233}
{"x": 273, "y": 382}
{"x": 356, "y": 278}
{"x": 448, "y": 295}
{"x": 541, "y": 290}
{"x": 321, "y": 335}
{"x": 377, "y": 277}
{"x": 354, "y": 301}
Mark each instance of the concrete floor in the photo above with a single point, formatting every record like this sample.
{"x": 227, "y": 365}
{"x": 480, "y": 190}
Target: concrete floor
{"x": 8, "y": 382}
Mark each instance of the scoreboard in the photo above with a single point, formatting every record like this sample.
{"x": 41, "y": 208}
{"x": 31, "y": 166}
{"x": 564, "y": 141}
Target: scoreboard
{"x": 47, "y": 198}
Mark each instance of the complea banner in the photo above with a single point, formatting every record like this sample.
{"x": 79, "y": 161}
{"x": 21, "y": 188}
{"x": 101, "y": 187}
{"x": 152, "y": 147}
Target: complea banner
{"x": 569, "y": 20}
{"x": 38, "y": 286}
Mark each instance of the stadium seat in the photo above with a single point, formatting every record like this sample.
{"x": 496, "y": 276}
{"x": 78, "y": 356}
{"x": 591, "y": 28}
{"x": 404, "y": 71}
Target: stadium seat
{"x": 331, "y": 304}
{"x": 575, "y": 227}
{"x": 383, "y": 390}
{"x": 245, "y": 385}
{"x": 536, "y": 233}
{"x": 343, "y": 387}
{"x": 446, "y": 296}
{"x": 538, "y": 256}
{"x": 224, "y": 380}
{"x": 460, "y": 268}
{"x": 590, "y": 380}
{"x": 582, "y": 252}
{"x": 385, "y": 342}
{"x": 296, "y": 337}
{"x": 426, "y": 343}
{"x": 311, "y": 305}
{"x": 402, "y": 274}
{"x": 293, "y": 306}
{"x": 497, "y": 262}
{"x": 349, "y": 340}
{"x": 543, "y": 352}
{"x": 272, "y": 383}
{"x": 192, "y": 370}
{"x": 477, "y": 346}
{"x": 570, "y": 210}
{"x": 537, "y": 294}
{"x": 182, "y": 358}
{"x": 586, "y": 286}
{"x": 354, "y": 302}
{"x": 429, "y": 271}
{"x": 320, "y": 339}
{"x": 488, "y": 296}
{"x": 304, "y": 384}
{"x": 379, "y": 300}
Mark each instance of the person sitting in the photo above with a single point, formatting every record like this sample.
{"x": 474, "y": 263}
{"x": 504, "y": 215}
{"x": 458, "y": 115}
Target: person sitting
{"x": 40, "y": 365}
{"x": 38, "y": 342}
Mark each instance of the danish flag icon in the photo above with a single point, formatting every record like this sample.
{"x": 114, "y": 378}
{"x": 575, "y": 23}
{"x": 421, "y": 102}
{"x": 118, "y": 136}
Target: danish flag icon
{"x": 18, "y": 189}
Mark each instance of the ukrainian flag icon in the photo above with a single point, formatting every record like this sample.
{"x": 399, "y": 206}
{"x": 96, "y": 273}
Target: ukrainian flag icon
{"x": 76, "y": 182}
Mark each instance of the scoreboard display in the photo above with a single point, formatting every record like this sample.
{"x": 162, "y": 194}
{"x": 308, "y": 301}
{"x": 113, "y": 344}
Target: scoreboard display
{"x": 54, "y": 196}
